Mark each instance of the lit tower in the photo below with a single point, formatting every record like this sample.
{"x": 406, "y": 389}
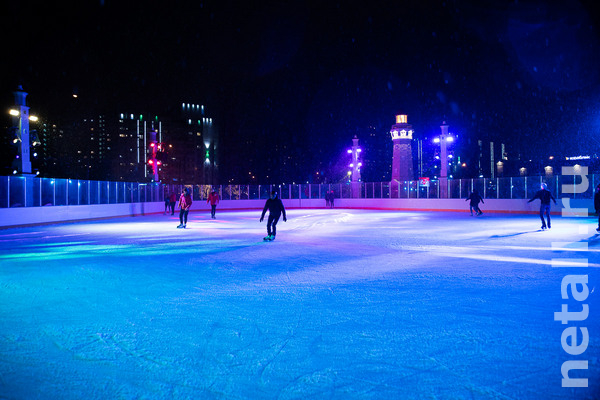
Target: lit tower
{"x": 23, "y": 139}
{"x": 402, "y": 162}
{"x": 443, "y": 140}
{"x": 355, "y": 165}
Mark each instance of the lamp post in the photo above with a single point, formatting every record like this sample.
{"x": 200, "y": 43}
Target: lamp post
{"x": 443, "y": 140}
{"x": 355, "y": 165}
{"x": 23, "y": 140}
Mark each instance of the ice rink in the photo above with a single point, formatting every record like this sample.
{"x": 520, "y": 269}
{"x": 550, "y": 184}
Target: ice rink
{"x": 344, "y": 304}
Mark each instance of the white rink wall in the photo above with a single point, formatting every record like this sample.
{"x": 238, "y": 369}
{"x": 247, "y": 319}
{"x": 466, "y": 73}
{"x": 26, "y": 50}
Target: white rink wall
{"x": 22, "y": 216}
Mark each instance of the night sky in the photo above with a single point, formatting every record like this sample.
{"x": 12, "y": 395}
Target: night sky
{"x": 307, "y": 76}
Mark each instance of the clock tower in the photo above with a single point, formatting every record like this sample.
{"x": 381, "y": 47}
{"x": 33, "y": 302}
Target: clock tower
{"x": 402, "y": 161}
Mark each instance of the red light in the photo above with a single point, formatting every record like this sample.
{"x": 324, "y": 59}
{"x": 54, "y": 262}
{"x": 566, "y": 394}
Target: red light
{"x": 158, "y": 163}
{"x": 152, "y": 144}
{"x": 150, "y": 162}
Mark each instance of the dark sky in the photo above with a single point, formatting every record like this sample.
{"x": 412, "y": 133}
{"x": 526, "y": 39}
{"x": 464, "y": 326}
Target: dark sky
{"x": 311, "y": 74}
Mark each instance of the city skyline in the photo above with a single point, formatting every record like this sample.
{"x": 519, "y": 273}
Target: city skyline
{"x": 295, "y": 82}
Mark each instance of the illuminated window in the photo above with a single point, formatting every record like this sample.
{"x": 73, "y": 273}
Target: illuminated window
{"x": 401, "y": 119}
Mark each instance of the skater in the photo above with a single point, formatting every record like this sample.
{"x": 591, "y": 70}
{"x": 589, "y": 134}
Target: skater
{"x": 331, "y": 199}
{"x": 474, "y": 204}
{"x": 597, "y": 205}
{"x": 327, "y": 199}
{"x": 545, "y": 196}
{"x": 172, "y": 202}
{"x": 213, "y": 198}
{"x": 167, "y": 202}
{"x": 185, "y": 202}
{"x": 275, "y": 207}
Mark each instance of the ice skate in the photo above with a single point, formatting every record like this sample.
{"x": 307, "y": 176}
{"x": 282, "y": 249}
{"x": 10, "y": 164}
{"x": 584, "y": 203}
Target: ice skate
{"x": 179, "y": 226}
{"x": 267, "y": 238}
{"x": 543, "y": 227}
{"x": 598, "y": 229}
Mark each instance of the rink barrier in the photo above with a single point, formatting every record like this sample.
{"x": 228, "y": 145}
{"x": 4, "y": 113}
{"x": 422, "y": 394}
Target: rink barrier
{"x": 28, "y": 216}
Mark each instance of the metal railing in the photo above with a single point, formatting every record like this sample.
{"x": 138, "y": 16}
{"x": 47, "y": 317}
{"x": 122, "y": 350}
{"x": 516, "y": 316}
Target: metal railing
{"x": 29, "y": 191}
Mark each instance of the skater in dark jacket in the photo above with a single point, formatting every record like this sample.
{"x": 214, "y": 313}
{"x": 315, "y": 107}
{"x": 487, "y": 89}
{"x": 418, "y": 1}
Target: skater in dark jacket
{"x": 474, "y": 204}
{"x": 275, "y": 207}
{"x": 545, "y": 196}
{"x": 597, "y": 205}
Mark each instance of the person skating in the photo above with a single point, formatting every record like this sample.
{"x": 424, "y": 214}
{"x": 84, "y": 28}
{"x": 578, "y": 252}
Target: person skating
{"x": 213, "y": 199}
{"x": 172, "y": 202}
{"x": 185, "y": 202}
{"x": 545, "y": 196}
{"x": 474, "y": 204}
{"x": 276, "y": 209}
{"x": 597, "y": 205}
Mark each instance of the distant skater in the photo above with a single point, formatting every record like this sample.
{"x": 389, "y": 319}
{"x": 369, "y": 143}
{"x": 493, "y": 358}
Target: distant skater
{"x": 185, "y": 202}
{"x": 331, "y": 199}
{"x": 172, "y": 202}
{"x": 275, "y": 207}
{"x": 545, "y": 196}
{"x": 167, "y": 202}
{"x": 597, "y": 205}
{"x": 474, "y": 204}
{"x": 213, "y": 199}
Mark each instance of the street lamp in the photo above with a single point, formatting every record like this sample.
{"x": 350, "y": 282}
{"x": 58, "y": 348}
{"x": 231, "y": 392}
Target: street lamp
{"x": 443, "y": 140}
{"x": 21, "y": 113}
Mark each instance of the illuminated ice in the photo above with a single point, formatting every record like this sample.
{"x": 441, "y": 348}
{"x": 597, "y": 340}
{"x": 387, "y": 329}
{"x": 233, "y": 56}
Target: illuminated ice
{"x": 344, "y": 304}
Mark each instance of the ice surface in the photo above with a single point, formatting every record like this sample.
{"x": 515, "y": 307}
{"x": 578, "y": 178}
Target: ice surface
{"x": 346, "y": 304}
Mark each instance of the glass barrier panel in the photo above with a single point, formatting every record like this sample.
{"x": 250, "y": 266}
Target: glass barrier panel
{"x": 36, "y": 187}
{"x": 60, "y": 192}
{"x": 403, "y": 193}
{"x": 343, "y": 190}
{"x": 502, "y": 188}
{"x": 135, "y": 192}
{"x": 314, "y": 191}
{"x": 479, "y": 186}
{"x": 413, "y": 189}
{"x": 377, "y": 192}
{"x": 84, "y": 187}
{"x": 254, "y": 192}
{"x": 324, "y": 190}
{"x": 295, "y": 192}
{"x": 454, "y": 188}
{"x": 142, "y": 192}
{"x": 566, "y": 185}
{"x": 434, "y": 189}
{"x": 244, "y": 192}
{"x": 17, "y": 191}
{"x": 265, "y": 191}
{"x": 303, "y": 190}
{"x": 121, "y": 193}
{"x": 385, "y": 190}
{"x": 4, "y": 191}
{"x": 465, "y": 188}
{"x": 48, "y": 191}
{"x": 284, "y": 191}
{"x": 491, "y": 188}
{"x": 102, "y": 193}
{"x": 72, "y": 192}
{"x": 518, "y": 188}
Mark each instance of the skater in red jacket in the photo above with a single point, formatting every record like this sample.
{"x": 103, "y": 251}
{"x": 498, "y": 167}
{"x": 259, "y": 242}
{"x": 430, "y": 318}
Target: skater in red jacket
{"x": 213, "y": 199}
{"x": 185, "y": 202}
